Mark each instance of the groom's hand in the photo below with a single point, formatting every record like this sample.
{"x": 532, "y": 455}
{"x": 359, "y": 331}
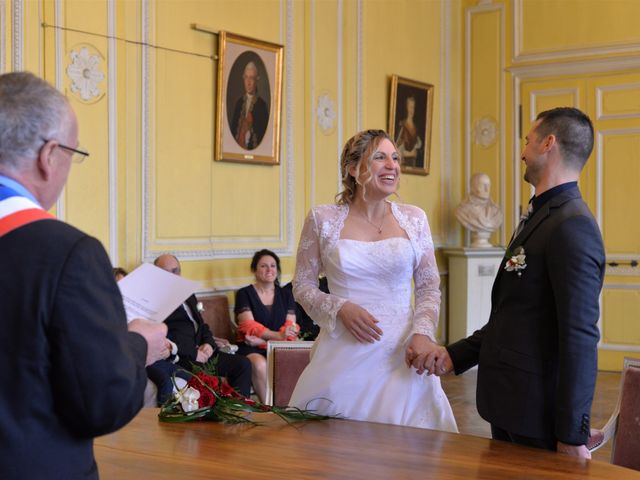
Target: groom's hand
{"x": 427, "y": 356}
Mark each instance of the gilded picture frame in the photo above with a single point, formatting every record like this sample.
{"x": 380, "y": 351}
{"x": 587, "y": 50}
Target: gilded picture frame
{"x": 248, "y": 100}
{"x": 410, "y": 117}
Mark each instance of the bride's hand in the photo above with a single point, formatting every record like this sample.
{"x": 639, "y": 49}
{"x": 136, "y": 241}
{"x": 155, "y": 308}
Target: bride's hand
{"x": 426, "y": 355}
{"x": 360, "y": 323}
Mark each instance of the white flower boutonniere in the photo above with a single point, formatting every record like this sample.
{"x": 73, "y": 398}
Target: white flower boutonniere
{"x": 200, "y": 307}
{"x": 516, "y": 261}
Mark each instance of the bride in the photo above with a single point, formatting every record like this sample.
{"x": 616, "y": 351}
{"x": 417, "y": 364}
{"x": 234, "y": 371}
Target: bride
{"x": 370, "y": 249}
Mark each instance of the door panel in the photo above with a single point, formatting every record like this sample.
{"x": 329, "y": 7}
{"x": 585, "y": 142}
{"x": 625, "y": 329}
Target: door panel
{"x": 609, "y": 185}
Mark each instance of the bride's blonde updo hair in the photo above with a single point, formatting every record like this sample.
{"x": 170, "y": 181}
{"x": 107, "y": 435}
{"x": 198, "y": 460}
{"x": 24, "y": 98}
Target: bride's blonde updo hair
{"x": 358, "y": 148}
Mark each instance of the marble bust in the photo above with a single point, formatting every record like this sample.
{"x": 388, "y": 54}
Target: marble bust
{"x": 477, "y": 212}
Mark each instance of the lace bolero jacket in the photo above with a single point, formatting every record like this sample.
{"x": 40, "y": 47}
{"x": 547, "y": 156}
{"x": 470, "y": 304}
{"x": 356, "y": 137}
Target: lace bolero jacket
{"x": 319, "y": 237}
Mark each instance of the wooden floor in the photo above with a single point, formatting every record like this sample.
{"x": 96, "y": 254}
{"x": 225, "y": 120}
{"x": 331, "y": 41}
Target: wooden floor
{"x": 461, "y": 391}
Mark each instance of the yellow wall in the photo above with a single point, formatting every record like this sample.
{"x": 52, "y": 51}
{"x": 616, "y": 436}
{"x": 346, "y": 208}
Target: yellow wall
{"x": 151, "y": 185}
{"x": 539, "y": 54}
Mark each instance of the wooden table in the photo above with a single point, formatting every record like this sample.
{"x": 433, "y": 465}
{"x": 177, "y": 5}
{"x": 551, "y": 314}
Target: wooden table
{"x": 149, "y": 449}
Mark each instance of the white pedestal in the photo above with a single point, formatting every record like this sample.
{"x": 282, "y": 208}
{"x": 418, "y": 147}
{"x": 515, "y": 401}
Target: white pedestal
{"x": 471, "y": 275}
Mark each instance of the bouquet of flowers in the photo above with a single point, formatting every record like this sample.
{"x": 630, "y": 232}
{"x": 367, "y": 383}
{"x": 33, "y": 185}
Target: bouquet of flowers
{"x": 209, "y": 397}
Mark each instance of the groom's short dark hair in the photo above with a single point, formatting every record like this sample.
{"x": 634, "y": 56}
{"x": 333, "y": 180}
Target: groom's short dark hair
{"x": 573, "y": 131}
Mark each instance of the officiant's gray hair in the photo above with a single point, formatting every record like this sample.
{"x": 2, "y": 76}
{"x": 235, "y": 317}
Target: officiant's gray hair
{"x": 31, "y": 112}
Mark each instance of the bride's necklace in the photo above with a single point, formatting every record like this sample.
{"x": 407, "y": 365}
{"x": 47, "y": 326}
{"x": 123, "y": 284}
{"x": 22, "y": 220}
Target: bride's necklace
{"x": 377, "y": 227}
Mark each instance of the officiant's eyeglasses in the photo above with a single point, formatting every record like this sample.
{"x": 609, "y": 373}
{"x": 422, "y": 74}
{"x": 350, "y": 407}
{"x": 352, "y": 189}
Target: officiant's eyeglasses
{"x": 78, "y": 156}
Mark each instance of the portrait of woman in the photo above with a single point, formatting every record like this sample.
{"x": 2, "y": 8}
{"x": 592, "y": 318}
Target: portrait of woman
{"x": 410, "y": 110}
{"x": 410, "y": 145}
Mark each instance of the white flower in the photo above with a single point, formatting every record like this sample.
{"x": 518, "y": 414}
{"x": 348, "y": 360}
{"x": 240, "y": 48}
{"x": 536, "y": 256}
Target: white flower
{"x": 516, "y": 261}
{"x": 485, "y": 131}
{"x": 200, "y": 307}
{"x": 85, "y": 74}
{"x": 326, "y": 113}
{"x": 188, "y": 398}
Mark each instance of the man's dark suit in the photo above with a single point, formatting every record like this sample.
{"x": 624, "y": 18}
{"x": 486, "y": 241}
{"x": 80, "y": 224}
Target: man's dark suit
{"x": 537, "y": 355}
{"x": 69, "y": 369}
{"x": 183, "y": 333}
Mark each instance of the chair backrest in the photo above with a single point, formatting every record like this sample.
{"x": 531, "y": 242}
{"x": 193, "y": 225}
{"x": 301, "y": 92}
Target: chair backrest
{"x": 216, "y": 315}
{"x": 626, "y": 443}
{"x": 285, "y": 363}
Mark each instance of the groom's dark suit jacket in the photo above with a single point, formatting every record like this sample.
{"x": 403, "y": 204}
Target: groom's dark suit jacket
{"x": 537, "y": 355}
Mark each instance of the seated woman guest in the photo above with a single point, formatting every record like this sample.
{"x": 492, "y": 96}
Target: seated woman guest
{"x": 264, "y": 311}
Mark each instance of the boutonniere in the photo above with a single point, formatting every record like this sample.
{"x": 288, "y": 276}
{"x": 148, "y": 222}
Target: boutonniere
{"x": 200, "y": 307}
{"x": 516, "y": 261}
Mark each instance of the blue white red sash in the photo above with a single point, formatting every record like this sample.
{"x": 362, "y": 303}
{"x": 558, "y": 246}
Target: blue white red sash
{"x": 17, "y": 211}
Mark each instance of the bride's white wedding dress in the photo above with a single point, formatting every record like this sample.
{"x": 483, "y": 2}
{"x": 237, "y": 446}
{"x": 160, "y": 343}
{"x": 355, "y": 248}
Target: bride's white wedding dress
{"x": 370, "y": 381}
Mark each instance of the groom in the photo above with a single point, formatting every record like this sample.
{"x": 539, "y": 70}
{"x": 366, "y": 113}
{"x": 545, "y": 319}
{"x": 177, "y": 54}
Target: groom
{"x": 537, "y": 355}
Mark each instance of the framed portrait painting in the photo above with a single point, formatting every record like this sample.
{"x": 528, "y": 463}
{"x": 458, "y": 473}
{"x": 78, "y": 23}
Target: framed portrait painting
{"x": 248, "y": 100}
{"x": 410, "y": 112}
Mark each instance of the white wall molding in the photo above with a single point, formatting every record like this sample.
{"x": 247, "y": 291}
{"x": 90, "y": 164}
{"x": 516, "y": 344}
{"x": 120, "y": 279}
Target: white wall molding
{"x": 359, "y": 64}
{"x": 602, "y": 90}
{"x": 534, "y": 95}
{"x": 290, "y": 96}
{"x": 445, "y": 132}
{"x": 112, "y": 132}
{"x": 204, "y": 245}
{"x": 312, "y": 94}
{"x": 576, "y": 67}
{"x": 3, "y": 35}
{"x": 560, "y": 54}
{"x": 340, "y": 80}
{"x": 145, "y": 127}
{"x": 469, "y": 13}
{"x": 58, "y": 59}
{"x": 17, "y": 35}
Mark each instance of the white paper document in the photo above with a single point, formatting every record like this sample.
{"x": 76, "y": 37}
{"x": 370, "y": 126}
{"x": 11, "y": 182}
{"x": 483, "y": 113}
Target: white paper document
{"x": 152, "y": 293}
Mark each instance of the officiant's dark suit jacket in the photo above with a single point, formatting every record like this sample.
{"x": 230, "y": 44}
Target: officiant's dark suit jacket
{"x": 69, "y": 369}
{"x": 537, "y": 355}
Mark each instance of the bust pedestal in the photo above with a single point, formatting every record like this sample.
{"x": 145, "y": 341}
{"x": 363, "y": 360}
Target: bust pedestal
{"x": 471, "y": 275}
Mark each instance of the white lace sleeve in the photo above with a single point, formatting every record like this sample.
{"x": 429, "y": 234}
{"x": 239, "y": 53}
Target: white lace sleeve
{"x": 426, "y": 277}
{"x": 321, "y": 307}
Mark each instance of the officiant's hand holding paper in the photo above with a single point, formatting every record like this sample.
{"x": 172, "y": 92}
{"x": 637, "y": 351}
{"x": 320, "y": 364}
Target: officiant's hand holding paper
{"x": 158, "y": 347}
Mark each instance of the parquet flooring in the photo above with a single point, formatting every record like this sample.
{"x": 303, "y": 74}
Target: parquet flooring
{"x": 461, "y": 391}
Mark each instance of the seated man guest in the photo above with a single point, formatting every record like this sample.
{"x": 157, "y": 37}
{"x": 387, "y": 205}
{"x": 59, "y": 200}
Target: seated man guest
{"x": 264, "y": 311}
{"x": 196, "y": 343}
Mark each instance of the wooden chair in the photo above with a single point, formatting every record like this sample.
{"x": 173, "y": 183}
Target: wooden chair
{"x": 285, "y": 363}
{"x": 623, "y": 428}
{"x": 216, "y": 315}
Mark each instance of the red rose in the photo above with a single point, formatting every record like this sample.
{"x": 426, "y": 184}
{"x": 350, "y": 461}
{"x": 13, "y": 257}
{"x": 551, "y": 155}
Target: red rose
{"x": 207, "y": 399}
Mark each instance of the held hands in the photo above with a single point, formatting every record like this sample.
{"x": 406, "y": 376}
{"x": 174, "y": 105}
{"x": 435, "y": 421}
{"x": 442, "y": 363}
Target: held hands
{"x": 158, "y": 347}
{"x": 427, "y": 356}
{"x": 574, "y": 450}
{"x": 204, "y": 353}
{"x": 360, "y": 323}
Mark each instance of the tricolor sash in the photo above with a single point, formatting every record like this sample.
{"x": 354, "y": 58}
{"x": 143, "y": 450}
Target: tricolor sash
{"x": 17, "y": 211}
